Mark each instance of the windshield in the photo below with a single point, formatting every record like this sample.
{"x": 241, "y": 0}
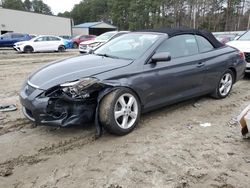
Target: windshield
{"x": 105, "y": 36}
{"x": 129, "y": 46}
{"x": 245, "y": 36}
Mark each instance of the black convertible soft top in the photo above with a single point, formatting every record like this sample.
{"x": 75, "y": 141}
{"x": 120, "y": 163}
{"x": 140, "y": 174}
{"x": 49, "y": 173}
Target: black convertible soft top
{"x": 178, "y": 31}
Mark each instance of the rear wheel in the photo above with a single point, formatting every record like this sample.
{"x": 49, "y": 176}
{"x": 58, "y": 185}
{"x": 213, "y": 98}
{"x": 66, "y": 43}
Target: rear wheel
{"x": 75, "y": 45}
{"x": 225, "y": 85}
{"x": 61, "y": 48}
{"x": 28, "y": 49}
{"x": 120, "y": 111}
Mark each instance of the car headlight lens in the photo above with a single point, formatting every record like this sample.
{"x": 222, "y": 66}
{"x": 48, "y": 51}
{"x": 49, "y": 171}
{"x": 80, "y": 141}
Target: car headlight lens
{"x": 19, "y": 44}
{"x": 77, "y": 89}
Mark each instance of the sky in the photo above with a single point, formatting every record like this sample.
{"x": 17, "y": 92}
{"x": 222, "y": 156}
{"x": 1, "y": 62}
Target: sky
{"x": 61, "y": 5}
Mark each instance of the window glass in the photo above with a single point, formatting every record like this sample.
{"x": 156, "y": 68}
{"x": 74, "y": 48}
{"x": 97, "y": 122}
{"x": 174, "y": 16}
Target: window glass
{"x": 83, "y": 37}
{"x": 5, "y": 36}
{"x": 41, "y": 39}
{"x": 245, "y": 36}
{"x": 204, "y": 44}
{"x": 179, "y": 46}
{"x": 14, "y": 36}
{"x": 130, "y": 46}
{"x": 54, "y": 39}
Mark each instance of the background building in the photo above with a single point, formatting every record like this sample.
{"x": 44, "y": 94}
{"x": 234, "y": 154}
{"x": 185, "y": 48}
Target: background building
{"x": 33, "y": 23}
{"x": 92, "y": 28}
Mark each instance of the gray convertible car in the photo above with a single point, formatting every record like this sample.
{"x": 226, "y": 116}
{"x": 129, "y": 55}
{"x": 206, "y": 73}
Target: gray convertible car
{"x": 134, "y": 73}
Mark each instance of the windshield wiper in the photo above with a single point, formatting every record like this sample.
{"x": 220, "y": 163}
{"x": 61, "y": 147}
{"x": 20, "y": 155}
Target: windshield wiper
{"x": 107, "y": 55}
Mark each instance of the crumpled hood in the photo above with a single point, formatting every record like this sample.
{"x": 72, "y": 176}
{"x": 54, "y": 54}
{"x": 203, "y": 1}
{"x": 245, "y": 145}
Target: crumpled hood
{"x": 74, "y": 68}
{"x": 243, "y": 46}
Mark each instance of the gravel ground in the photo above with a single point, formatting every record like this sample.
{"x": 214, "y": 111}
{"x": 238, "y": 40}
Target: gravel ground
{"x": 169, "y": 148}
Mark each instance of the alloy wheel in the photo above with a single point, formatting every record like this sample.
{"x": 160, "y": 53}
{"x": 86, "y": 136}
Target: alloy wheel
{"x": 226, "y": 83}
{"x": 126, "y": 111}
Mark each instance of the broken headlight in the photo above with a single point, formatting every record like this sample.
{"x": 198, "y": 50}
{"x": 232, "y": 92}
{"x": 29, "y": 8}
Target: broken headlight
{"x": 78, "y": 89}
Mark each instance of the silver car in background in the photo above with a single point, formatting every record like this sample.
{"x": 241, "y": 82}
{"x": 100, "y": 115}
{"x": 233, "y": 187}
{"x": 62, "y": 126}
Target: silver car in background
{"x": 87, "y": 46}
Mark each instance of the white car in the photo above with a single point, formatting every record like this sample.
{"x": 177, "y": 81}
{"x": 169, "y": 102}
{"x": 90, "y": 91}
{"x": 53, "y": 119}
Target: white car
{"x": 43, "y": 43}
{"x": 243, "y": 44}
{"x": 87, "y": 46}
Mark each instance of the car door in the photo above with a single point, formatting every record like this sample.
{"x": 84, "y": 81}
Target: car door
{"x": 40, "y": 43}
{"x": 53, "y": 43}
{"x": 213, "y": 63}
{"x": 177, "y": 79}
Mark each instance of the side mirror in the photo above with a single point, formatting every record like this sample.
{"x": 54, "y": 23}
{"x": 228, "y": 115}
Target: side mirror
{"x": 161, "y": 56}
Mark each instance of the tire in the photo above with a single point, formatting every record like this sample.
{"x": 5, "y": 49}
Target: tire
{"x": 75, "y": 45}
{"x": 28, "y": 49}
{"x": 127, "y": 115}
{"x": 61, "y": 49}
{"x": 224, "y": 85}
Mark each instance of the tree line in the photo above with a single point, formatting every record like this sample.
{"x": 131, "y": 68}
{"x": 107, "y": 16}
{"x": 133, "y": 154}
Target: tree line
{"x": 214, "y": 15}
{"x": 37, "y": 6}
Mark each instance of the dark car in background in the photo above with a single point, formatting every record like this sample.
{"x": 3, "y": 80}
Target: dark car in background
{"x": 80, "y": 38}
{"x": 9, "y": 39}
{"x": 131, "y": 74}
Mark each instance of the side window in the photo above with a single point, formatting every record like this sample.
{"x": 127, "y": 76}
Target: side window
{"x": 179, "y": 46}
{"x": 40, "y": 39}
{"x": 204, "y": 44}
{"x": 17, "y": 36}
{"x": 83, "y": 37}
{"x": 54, "y": 39}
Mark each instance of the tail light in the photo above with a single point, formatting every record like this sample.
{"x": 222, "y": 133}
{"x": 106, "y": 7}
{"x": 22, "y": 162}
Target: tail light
{"x": 242, "y": 54}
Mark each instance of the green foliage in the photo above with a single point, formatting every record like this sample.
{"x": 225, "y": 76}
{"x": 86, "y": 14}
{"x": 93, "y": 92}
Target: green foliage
{"x": 40, "y": 7}
{"x": 13, "y": 4}
{"x": 35, "y": 5}
{"x": 27, "y": 5}
{"x": 214, "y": 15}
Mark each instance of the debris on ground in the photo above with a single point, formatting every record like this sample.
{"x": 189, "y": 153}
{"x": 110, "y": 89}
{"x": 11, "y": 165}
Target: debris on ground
{"x": 205, "y": 124}
{"x": 196, "y": 105}
{"x": 8, "y": 108}
{"x": 189, "y": 126}
{"x": 244, "y": 121}
{"x": 233, "y": 122}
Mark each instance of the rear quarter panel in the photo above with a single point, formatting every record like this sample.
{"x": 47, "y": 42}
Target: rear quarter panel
{"x": 220, "y": 60}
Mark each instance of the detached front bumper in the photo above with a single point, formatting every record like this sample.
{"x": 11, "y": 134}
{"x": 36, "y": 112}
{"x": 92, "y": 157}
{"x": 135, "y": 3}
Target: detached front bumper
{"x": 55, "y": 111}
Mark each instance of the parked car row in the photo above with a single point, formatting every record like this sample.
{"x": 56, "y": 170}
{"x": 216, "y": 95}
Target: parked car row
{"x": 32, "y": 43}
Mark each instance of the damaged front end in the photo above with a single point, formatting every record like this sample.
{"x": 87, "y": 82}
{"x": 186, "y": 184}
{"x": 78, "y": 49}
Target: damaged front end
{"x": 72, "y": 103}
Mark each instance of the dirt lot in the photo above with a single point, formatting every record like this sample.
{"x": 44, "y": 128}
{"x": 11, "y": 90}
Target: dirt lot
{"x": 169, "y": 148}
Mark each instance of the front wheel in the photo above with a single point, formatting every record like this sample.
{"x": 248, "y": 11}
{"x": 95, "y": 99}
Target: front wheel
{"x": 28, "y": 49}
{"x": 119, "y": 111}
{"x": 224, "y": 86}
{"x": 61, "y": 48}
{"x": 75, "y": 45}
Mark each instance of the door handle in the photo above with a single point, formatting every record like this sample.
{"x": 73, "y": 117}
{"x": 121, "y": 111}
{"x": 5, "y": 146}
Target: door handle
{"x": 201, "y": 64}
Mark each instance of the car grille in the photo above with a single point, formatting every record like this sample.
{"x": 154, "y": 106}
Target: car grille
{"x": 247, "y": 56}
{"x": 29, "y": 89}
